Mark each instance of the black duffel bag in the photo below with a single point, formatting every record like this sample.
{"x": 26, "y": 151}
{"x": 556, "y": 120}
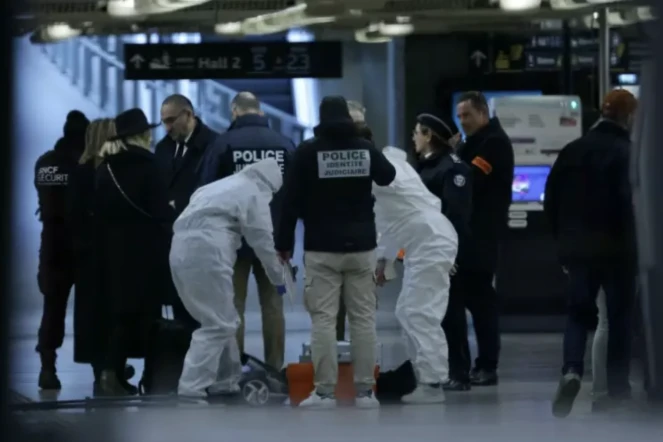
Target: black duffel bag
{"x": 168, "y": 343}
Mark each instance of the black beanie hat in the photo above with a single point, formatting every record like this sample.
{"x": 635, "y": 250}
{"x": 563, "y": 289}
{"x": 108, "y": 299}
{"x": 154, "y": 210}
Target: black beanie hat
{"x": 75, "y": 125}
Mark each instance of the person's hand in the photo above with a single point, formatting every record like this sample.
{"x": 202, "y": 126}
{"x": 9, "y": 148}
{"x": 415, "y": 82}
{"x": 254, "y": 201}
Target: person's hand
{"x": 379, "y": 273}
{"x": 280, "y": 289}
{"x": 453, "y": 141}
{"x": 284, "y": 256}
{"x": 565, "y": 270}
{"x": 454, "y": 270}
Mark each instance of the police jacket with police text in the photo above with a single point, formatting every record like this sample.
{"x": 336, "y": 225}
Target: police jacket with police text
{"x": 248, "y": 140}
{"x": 329, "y": 186}
{"x": 183, "y": 176}
{"x": 588, "y": 196}
{"x": 450, "y": 179}
{"x": 52, "y": 174}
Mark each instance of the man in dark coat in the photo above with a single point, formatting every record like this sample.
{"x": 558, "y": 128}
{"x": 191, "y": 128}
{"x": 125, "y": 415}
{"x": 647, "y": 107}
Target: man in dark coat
{"x": 589, "y": 206}
{"x": 56, "y": 262}
{"x": 488, "y": 150}
{"x": 248, "y": 140}
{"x": 180, "y": 154}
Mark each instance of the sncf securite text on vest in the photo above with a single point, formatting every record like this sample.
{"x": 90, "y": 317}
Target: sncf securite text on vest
{"x": 51, "y": 176}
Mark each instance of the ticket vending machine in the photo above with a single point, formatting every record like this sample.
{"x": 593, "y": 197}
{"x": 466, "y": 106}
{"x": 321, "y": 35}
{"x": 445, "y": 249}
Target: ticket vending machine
{"x": 529, "y": 279}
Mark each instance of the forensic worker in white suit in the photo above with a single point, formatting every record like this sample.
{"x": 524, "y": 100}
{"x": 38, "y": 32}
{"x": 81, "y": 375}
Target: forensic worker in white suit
{"x": 409, "y": 217}
{"x": 205, "y": 241}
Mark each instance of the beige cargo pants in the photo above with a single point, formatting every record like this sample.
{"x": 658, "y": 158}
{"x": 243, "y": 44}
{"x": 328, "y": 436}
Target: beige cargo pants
{"x": 271, "y": 309}
{"x": 330, "y": 276}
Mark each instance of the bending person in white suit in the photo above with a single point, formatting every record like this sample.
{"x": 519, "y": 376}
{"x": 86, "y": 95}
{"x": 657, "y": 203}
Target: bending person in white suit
{"x": 206, "y": 238}
{"x": 409, "y": 216}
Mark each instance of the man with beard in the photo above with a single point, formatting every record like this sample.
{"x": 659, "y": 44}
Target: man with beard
{"x": 181, "y": 153}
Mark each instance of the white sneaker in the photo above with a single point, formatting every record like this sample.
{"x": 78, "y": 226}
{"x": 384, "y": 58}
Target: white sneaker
{"x": 425, "y": 394}
{"x": 319, "y": 401}
{"x": 366, "y": 399}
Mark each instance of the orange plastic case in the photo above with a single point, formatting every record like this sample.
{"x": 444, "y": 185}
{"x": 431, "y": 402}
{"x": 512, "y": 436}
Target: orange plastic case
{"x": 300, "y": 382}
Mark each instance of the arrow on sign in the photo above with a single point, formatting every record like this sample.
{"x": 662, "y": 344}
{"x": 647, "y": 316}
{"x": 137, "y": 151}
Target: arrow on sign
{"x": 478, "y": 57}
{"x": 137, "y": 61}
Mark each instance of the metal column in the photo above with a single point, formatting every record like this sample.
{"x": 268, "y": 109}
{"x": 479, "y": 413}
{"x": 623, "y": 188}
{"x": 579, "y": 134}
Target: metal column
{"x": 604, "y": 53}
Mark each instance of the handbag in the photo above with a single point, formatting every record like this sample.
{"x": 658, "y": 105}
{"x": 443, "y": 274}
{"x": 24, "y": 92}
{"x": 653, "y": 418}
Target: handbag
{"x": 124, "y": 195}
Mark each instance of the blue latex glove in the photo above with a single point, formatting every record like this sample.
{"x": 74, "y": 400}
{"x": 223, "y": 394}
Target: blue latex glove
{"x": 280, "y": 289}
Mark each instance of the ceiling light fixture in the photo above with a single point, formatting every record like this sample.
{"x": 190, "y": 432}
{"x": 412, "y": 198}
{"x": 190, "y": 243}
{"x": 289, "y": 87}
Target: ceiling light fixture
{"x": 54, "y": 33}
{"x": 395, "y": 29}
{"x": 293, "y": 17}
{"x": 371, "y": 34}
{"x": 231, "y": 28}
{"x": 519, "y": 5}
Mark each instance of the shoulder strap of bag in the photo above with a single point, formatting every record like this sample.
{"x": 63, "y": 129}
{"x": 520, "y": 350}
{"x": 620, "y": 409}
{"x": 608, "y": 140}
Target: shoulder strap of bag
{"x": 126, "y": 197}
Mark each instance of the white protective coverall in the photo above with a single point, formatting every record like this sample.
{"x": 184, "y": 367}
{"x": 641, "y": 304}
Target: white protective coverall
{"x": 408, "y": 216}
{"x": 203, "y": 252}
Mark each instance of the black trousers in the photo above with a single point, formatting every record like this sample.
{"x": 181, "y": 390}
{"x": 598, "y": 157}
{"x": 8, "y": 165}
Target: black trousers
{"x": 455, "y": 329}
{"x": 481, "y": 300}
{"x": 618, "y": 280}
{"x": 52, "y": 326}
{"x": 55, "y": 279}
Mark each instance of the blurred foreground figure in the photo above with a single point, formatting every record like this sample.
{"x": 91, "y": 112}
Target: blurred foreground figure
{"x": 588, "y": 203}
{"x": 408, "y": 216}
{"x": 203, "y": 253}
{"x": 56, "y": 260}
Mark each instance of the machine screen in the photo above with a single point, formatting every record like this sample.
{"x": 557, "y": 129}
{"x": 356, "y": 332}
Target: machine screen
{"x": 529, "y": 183}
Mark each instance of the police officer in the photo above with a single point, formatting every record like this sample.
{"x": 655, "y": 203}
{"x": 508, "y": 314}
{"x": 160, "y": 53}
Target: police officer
{"x": 487, "y": 149}
{"x": 56, "y": 260}
{"x": 329, "y": 186}
{"x": 588, "y": 203}
{"x": 450, "y": 179}
{"x": 248, "y": 140}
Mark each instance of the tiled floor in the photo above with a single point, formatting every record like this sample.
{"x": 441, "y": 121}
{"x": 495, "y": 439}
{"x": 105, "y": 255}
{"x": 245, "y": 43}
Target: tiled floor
{"x": 517, "y": 410}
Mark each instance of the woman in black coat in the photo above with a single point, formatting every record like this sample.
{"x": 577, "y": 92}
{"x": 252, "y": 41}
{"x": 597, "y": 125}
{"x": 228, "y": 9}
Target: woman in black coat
{"x": 88, "y": 348}
{"x": 133, "y": 212}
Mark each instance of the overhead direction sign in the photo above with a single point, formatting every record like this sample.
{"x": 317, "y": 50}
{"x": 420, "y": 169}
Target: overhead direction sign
{"x": 248, "y": 60}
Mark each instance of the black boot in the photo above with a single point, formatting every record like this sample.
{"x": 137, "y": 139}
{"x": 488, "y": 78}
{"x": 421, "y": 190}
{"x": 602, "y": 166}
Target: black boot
{"x": 455, "y": 385}
{"x": 110, "y": 385}
{"x": 484, "y": 378}
{"x": 48, "y": 378}
{"x": 567, "y": 390}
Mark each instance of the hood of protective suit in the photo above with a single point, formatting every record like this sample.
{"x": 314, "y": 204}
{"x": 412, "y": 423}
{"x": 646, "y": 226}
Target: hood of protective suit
{"x": 406, "y": 212}
{"x": 395, "y": 153}
{"x": 266, "y": 174}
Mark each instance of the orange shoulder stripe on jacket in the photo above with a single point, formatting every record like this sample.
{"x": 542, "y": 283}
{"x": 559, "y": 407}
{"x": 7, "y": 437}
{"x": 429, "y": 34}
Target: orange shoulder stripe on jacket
{"x": 483, "y": 165}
